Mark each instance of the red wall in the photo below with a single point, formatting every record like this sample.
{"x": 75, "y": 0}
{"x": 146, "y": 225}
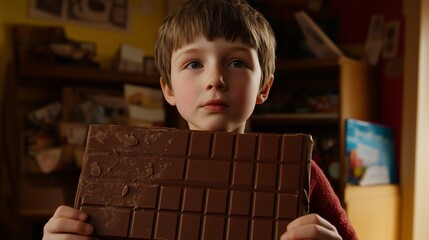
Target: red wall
{"x": 355, "y": 17}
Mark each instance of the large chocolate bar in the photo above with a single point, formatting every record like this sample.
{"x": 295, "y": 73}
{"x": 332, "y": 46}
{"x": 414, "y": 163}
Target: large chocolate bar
{"x": 162, "y": 183}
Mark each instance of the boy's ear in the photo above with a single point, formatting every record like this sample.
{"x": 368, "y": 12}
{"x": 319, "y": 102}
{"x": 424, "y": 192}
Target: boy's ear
{"x": 168, "y": 92}
{"x": 263, "y": 94}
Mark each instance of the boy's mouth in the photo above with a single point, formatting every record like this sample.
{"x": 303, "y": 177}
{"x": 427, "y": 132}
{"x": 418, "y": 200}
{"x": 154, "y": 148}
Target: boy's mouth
{"x": 215, "y": 105}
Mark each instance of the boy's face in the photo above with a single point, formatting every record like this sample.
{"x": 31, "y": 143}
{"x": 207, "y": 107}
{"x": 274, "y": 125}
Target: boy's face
{"x": 215, "y": 84}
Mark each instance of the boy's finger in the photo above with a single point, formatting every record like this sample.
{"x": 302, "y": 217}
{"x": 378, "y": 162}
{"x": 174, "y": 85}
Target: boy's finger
{"x": 310, "y": 231}
{"x": 71, "y": 213}
{"x": 65, "y": 225}
{"x": 311, "y": 219}
{"x": 67, "y": 237}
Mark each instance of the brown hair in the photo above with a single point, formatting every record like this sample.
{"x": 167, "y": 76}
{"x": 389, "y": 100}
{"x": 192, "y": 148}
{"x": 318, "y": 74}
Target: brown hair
{"x": 229, "y": 19}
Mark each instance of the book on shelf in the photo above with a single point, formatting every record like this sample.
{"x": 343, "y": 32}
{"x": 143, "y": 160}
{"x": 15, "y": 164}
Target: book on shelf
{"x": 315, "y": 38}
{"x": 370, "y": 153}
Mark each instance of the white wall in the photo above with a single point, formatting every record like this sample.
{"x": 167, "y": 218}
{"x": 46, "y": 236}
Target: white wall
{"x": 421, "y": 208}
{"x": 415, "y": 129}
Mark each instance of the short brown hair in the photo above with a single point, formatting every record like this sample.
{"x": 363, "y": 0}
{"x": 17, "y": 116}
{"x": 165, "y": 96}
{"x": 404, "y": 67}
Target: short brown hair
{"x": 229, "y": 19}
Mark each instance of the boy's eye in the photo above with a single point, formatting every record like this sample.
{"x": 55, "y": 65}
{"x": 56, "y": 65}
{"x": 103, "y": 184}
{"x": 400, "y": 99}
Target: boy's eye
{"x": 237, "y": 64}
{"x": 194, "y": 65}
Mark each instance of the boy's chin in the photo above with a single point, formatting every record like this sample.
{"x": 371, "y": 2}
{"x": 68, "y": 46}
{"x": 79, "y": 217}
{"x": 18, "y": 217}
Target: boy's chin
{"x": 217, "y": 127}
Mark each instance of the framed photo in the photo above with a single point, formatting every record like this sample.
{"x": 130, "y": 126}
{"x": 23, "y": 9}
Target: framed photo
{"x": 111, "y": 14}
{"x": 391, "y": 39}
{"x": 149, "y": 67}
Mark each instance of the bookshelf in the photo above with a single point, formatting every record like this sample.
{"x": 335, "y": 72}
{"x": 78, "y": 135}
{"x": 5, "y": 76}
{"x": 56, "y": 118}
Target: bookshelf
{"x": 29, "y": 87}
{"x": 345, "y": 80}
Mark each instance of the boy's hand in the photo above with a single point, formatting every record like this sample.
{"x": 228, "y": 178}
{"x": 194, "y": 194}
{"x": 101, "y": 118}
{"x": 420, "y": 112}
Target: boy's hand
{"x": 67, "y": 223}
{"x": 310, "y": 226}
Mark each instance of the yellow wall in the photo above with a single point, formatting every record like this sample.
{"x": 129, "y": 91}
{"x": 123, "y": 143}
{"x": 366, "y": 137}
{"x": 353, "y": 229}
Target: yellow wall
{"x": 142, "y": 32}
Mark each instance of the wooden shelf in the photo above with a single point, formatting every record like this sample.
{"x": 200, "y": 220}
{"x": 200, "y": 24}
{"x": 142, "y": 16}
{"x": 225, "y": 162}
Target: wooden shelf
{"x": 313, "y": 63}
{"x": 374, "y": 210}
{"x": 58, "y": 75}
{"x": 295, "y": 118}
{"x": 29, "y": 87}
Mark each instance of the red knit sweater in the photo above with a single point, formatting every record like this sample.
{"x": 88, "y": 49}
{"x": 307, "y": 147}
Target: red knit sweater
{"x": 325, "y": 202}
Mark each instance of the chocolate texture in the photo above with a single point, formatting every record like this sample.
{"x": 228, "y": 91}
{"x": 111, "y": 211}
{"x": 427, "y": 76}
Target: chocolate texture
{"x": 162, "y": 183}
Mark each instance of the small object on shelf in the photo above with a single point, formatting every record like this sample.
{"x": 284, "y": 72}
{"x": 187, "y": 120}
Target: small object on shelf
{"x": 79, "y": 152}
{"x": 49, "y": 159}
{"x": 50, "y": 45}
{"x": 165, "y": 183}
{"x": 318, "y": 42}
{"x": 374, "y": 42}
{"x": 129, "y": 59}
{"x": 47, "y": 114}
{"x": 73, "y": 133}
{"x": 72, "y": 52}
{"x": 150, "y": 67}
{"x": 370, "y": 154}
{"x": 144, "y": 103}
{"x": 86, "y": 106}
{"x": 73, "y": 139}
{"x": 31, "y": 42}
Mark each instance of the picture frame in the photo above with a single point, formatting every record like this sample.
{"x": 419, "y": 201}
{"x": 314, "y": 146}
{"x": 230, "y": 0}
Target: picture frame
{"x": 391, "y": 39}
{"x": 107, "y": 14}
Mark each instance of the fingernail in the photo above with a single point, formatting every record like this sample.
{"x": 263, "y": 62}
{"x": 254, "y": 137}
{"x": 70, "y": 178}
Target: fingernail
{"x": 82, "y": 216}
{"x": 88, "y": 229}
{"x": 283, "y": 236}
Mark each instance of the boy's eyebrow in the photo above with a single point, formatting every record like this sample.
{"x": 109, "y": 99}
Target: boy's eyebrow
{"x": 186, "y": 51}
{"x": 198, "y": 49}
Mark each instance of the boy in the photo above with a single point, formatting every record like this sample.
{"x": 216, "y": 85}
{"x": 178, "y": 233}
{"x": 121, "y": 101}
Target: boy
{"x": 216, "y": 59}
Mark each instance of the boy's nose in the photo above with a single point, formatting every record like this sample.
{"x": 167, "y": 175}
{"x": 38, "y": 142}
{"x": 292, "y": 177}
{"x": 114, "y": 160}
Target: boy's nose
{"x": 218, "y": 85}
{"x": 216, "y": 81}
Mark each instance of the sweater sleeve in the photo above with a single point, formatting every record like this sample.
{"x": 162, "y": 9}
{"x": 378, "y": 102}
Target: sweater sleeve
{"x": 324, "y": 202}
